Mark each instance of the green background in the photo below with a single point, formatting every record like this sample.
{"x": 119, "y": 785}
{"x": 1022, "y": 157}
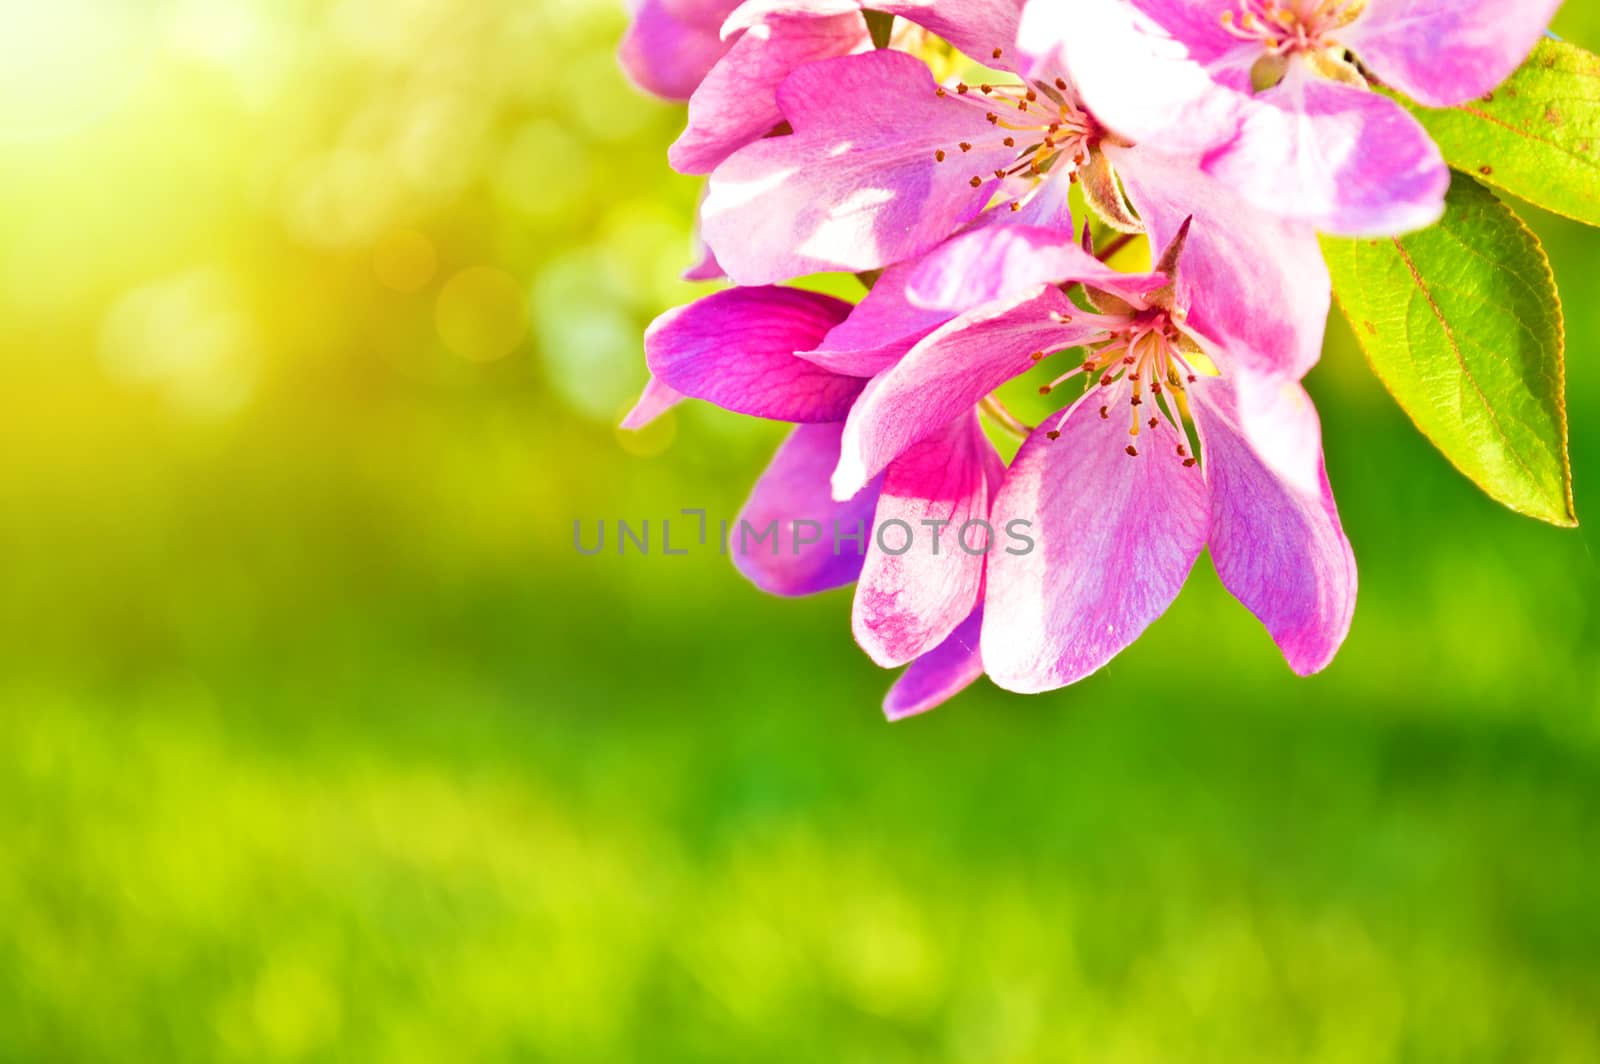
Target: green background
{"x": 319, "y": 741}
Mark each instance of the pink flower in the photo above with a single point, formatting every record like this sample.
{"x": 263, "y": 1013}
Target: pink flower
{"x": 671, "y": 45}
{"x": 793, "y": 492}
{"x": 735, "y": 101}
{"x": 1313, "y": 142}
{"x": 737, "y": 349}
{"x": 1122, "y": 497}
{"x": 883, "y": 164}
{"x": 1441, "y": 53}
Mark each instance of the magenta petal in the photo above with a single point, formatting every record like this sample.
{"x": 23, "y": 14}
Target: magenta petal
{"x": 737, "y": 103}
{"x": 857, "y": 185}
{"x": 995, "y": 258}
{"x": 909, "y": 601}
{"x": 1255, "y": 283}
{"x": 946, "y": 375}
{"x": 1443, "y": 53}
{"x": 656, "y": 400}
{"x": 791, "y": 538}
{"x": 976, "y": 27}
{"x": 1341, "y": 159}
{"x": 1114, "y": 539}
{"x": 1002, "y": 261}
{"x": 672, "y": 44}
{"x": 940, "y": 674}
{"x": 737, "y": 349}
{"x": 885, "y": 325}
{"x": 1276, "y": 540}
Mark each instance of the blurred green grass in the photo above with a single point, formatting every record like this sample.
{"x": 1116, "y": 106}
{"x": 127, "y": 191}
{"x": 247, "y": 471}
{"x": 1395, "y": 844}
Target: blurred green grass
{"x": 320, "y": 742}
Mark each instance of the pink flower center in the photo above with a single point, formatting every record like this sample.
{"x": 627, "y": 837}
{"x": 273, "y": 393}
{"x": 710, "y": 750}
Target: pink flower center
{"x": 1289, "y": 27}
{"x": 1038, "y": 119}
{"x": 1142, "y": 367}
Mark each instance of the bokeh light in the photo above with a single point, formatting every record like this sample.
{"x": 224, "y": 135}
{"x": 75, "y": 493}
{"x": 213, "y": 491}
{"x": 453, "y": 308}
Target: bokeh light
{"x": 481, "y": 314}
{"x": 319, "y": 741}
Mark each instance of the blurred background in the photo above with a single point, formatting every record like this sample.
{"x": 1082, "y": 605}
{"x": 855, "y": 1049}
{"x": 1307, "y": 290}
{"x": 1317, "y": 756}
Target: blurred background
{"x": 319, "y": 741}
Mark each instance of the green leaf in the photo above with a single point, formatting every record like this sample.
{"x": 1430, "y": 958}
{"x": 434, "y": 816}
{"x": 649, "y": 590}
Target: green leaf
{"x": 1537, "y": 136}
{"x": 1463, "y": 325}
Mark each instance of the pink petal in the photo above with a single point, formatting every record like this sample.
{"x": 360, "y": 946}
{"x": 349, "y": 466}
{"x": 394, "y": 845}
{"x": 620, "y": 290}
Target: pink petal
{"x": 857, "y": 185}
{"x": 940, "y": 674}
{"x": 672, "y": 44}
{"x": 1002, "y": 261}
{"x": 1443, "y": 53}
{"x": 791, "y": 538}
{"x": 976, "y": 27}
{"x": 908, "y": 603}
{"x": 706, "y": 266}
{"x": 1341, "y": 159}
{"x": 1115, "y": 537}
{"x": 1198, "y": 24}
{"x": 737, "y": 103}
{"x": 946, "y": 375}
{"x": 1047, "y": 205}
{"x": 1255, "y": 283}
{"x": 737, "y": 349}
{"x": 996, "y": 257}
{"x": 754, "y": 12}
{"x": 1130, "y": 73}
{"x": 885, "y": 325}
{"x": 656, "y": 400}
{"x": 1276, "y": 540}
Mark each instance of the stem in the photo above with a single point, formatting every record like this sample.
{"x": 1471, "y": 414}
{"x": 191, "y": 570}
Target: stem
{"x": 1105, "y": 253}
{"x": 881, "y": 25}
{"x": 1003, "y": 417}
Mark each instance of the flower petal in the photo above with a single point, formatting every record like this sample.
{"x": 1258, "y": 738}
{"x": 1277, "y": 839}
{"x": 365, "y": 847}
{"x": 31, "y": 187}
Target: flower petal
{"x": 976, "y": 27}
{"x": 1198, "y": 24}
{"x": 1255, "y": 283}
{"x": 1276, "y": 540}
{"x": 737, "y": 349}
{"x": 792, "y": 538}
{"x": 1336, "y": 157}
{"x": 946, "y": 375}
{"x": 909, "y": 602}
{"x": 670, "y": 46}
{"x": 737, "y": 103}
{"x": 1114, "y": 539}
{"x": 857, "y": 186}
{"x": 884, "y": 326}
{"x": 1047, "y": 205}
{"x": 705, "y": 268}
{"x": 1443, "y": 53}
{"x": 656, "y": 400}
{"x": 940, "y": 674}
{"x": 1001, "y": 261}
{"x": 1131, "y": 74}
{"x": 995, "y": 257}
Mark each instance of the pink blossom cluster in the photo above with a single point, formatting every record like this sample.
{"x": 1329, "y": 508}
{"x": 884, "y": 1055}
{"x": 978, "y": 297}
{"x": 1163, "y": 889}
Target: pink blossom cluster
{"x": 937, "y": 149}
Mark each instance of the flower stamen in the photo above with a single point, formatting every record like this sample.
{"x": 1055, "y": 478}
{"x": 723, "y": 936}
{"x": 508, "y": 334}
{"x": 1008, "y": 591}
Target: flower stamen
{"x": 1056, "y": 131}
